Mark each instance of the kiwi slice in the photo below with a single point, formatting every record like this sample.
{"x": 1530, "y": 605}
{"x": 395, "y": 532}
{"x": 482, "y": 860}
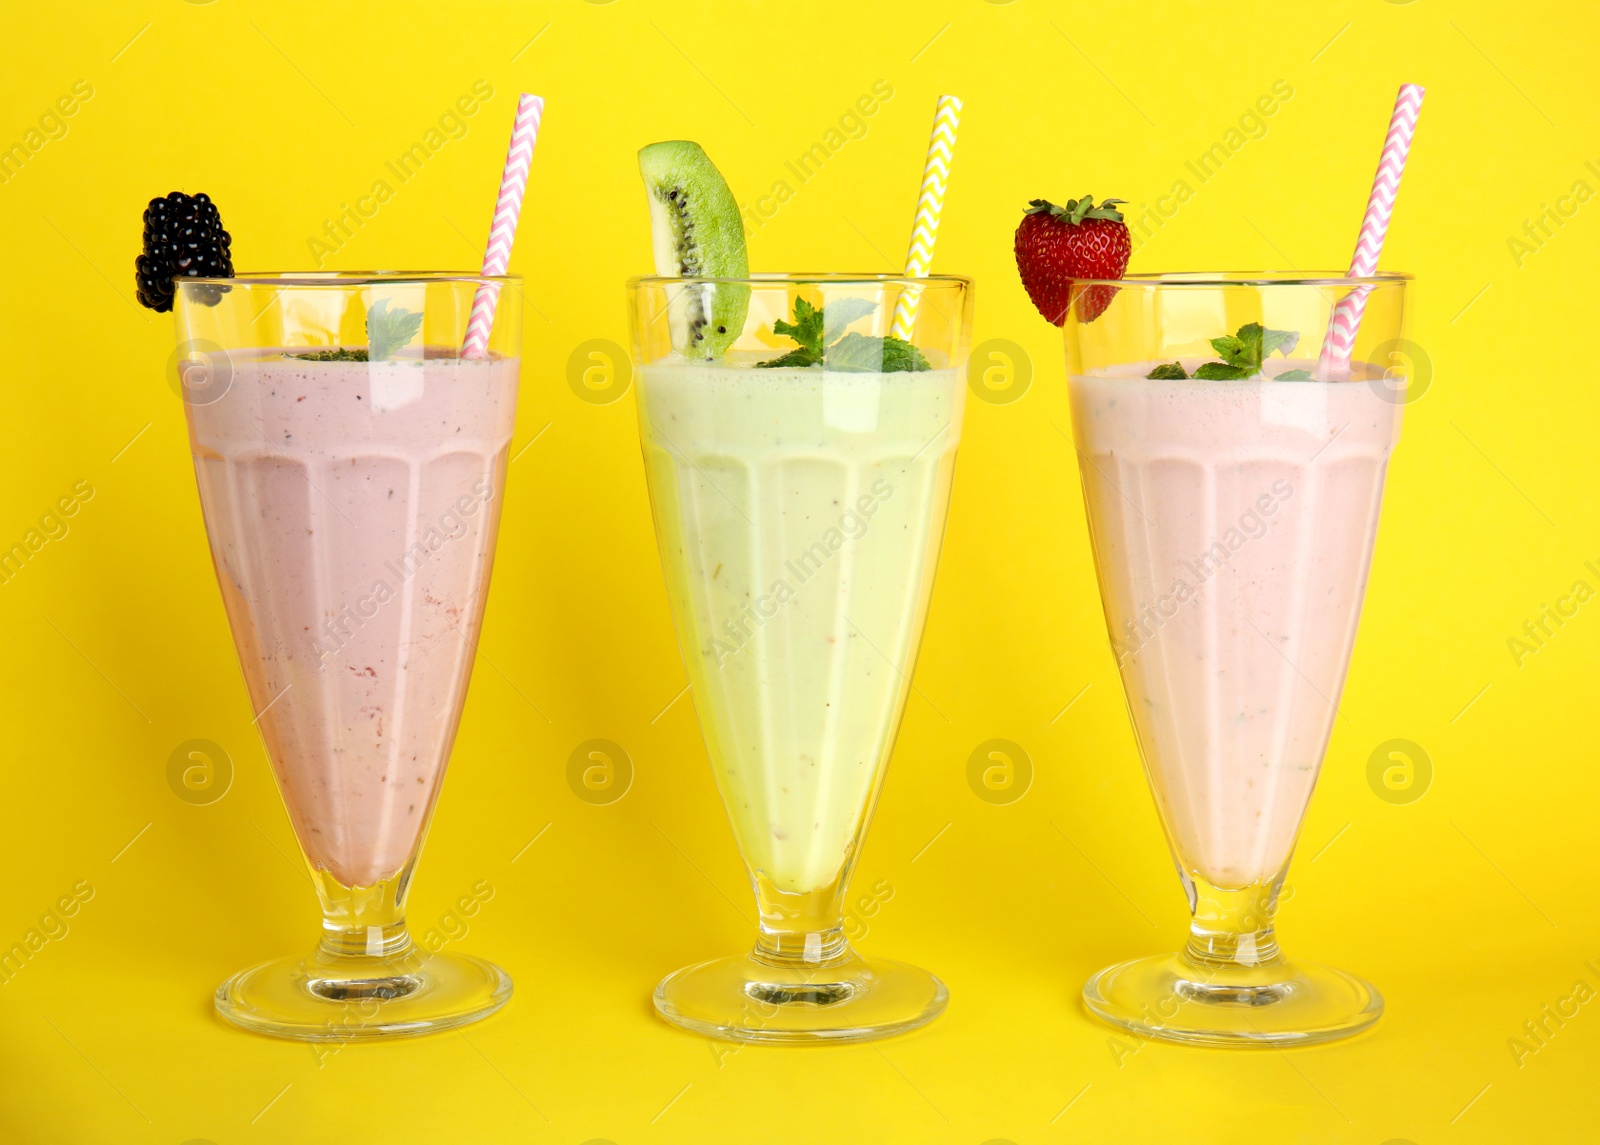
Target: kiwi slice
{"x": 697, "y": 233}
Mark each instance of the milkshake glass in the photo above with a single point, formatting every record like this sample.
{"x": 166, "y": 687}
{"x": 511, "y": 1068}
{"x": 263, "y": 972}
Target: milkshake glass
{"x": 351, "y": 466}
{"x": 1233, "y": 522}
{"x": 799, "y": 511}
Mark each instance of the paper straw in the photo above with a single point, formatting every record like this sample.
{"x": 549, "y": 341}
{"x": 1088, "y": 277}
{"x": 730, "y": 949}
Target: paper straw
{"x": 503, "y": 231}
{"x": 930, "y": 202}
{"x": 1346, "y": 318}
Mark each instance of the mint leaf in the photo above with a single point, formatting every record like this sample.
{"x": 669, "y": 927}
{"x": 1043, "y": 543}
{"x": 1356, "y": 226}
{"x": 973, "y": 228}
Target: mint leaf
{"x": 841, "y": 312}
{"x": 862, "y": 353}
{"x": 389, "y": 330}
{"x": 1279, "y": 341}
{"x": 1294, "y": 376}
{"x": 900, "y": 356}
{"x": 855, "y": 354}
{"x": 1231, "y": 349}
{"x": 340, "y": 355}
{"x": 1221, "y": 372}
{"x": 1169, "y": 372}
{"x": 1250, "y": 337}
{"x": 792, "y": 358}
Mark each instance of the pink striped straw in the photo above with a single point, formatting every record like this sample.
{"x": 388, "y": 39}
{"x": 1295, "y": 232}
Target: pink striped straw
{"x": 1346, "y": 318}
{"x": 503, "y": 231}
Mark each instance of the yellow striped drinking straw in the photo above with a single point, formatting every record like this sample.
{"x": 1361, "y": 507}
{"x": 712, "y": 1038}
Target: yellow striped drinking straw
{"x": 930, "y": 202}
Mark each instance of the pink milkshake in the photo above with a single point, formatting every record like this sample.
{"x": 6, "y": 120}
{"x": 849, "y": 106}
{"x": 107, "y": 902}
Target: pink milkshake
{"x": 1233, "y": 492}
{"x": 1233, "y": 525}
{"x": 352, "y": 509}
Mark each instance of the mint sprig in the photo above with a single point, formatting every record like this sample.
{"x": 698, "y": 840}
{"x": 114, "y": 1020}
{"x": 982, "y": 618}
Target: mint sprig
{"x": 389, "y": 330}
{"x": 806, "y": 329}
{"x": 823, "y": 340}
{"x": 1242, "y": 356}
{"x": 340, "y": 355}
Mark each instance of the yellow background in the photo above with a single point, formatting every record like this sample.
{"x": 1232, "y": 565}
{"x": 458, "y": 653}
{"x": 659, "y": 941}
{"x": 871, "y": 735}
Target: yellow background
{"x": 1470, "y": 908}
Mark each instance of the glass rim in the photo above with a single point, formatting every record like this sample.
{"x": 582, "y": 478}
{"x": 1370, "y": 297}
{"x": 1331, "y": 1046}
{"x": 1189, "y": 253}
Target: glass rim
{"x": 1215, "y": 278}
{"x": 822, "y": 278}
{"x": 345, "y": 278}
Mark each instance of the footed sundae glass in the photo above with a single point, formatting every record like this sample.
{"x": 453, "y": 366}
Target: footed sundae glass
{"x": 799, "y": 480}
{"x": 1232, "y": 482}
{"x": 351, "y": 464}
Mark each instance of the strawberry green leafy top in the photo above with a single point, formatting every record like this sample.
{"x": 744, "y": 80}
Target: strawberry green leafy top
{"x": 1077, "y": 210}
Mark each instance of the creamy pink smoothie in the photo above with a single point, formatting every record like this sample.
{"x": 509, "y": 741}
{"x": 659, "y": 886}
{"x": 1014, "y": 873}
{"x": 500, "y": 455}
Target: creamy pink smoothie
{"x": 1233, "y": 525}
{"x": 352, "y": 510}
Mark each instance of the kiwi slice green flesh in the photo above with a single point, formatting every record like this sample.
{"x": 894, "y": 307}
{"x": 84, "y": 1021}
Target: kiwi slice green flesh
{"x": 697, "y": 233}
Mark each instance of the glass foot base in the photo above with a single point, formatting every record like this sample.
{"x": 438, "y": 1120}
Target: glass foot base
{"x": 325, "y": 998}
{"x": 1286, "y": 1004}
{"x": 850, "y": 1000}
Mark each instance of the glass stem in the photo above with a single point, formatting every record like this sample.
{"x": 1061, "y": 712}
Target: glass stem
{"x": 1233, "y": 928}
{"x": 364, "y": 921}
{"x": 800, "y": 928}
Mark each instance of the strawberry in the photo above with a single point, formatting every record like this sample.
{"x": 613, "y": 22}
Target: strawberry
{"x": 1056, "y": 245}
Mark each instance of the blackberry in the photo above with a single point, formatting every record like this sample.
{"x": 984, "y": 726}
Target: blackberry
{"x": 183, "y": 238}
